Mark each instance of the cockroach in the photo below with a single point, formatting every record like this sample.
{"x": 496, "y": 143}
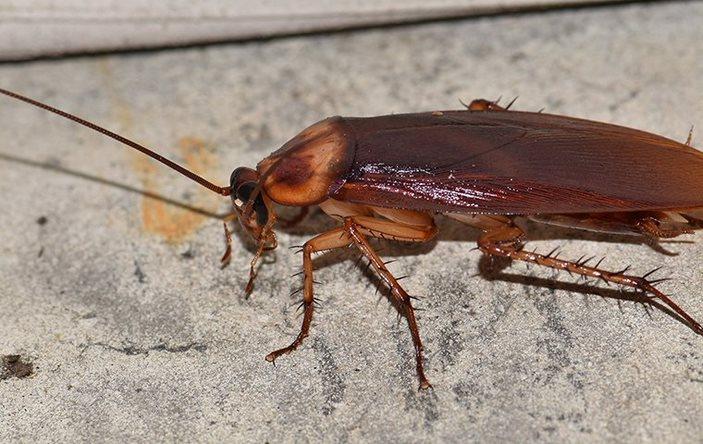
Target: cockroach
{"x": 387, "y": 177}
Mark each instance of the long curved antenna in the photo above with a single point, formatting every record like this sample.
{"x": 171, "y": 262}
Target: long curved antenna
{"x": 224, "y": 191}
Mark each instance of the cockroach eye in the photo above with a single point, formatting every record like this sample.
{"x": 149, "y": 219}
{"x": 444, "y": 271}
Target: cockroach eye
{"x": 233, "y": 178}
{"x": 240, "y": 176}
{"x": 243, "y": 192}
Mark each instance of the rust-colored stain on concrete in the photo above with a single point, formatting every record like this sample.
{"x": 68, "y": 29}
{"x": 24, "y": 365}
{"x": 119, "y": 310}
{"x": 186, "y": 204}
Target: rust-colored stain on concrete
{"x": 161, "y": 218}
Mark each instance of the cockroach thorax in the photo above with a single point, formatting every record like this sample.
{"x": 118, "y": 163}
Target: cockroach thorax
{"x": 301, "y": 172}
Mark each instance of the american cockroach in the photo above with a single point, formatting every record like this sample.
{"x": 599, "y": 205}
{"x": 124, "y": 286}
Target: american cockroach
{"x": 387, "y": 177}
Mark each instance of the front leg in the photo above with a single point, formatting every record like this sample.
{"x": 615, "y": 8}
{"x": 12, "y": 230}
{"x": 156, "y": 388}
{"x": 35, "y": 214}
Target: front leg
{"x": 355, "y": 230}
{"x": 335, "y": 238}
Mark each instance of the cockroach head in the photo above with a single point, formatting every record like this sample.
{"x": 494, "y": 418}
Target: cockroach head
{"x": 253, "y": 207}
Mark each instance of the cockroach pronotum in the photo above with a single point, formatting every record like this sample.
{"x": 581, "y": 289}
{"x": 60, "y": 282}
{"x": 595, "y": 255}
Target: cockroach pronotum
{"x": 387, "y": 177}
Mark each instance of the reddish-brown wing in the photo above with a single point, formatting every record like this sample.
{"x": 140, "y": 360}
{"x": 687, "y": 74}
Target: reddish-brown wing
{"x": 516, "y": 163}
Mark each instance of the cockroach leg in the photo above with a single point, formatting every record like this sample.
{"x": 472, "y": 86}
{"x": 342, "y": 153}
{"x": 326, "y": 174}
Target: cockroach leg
{"x": 228, "y": 250}
{"x": 355, "y": 231}
{"x": 689, "y": 139}
{"x": 652, "y": 228}
{"x": 252, "y": 269}
{"x": 266, "y": 242}
{"x": 335, "y": 238}
{"x": 509, "y": 105}
{"x": 262, "y": 246}
{"x": 506, "y": 242}
{"x": 655, "y": 233}
{"x": 654, "y": 225}
{"x": 231, "y": 217}
{"x": 228, "y": 239}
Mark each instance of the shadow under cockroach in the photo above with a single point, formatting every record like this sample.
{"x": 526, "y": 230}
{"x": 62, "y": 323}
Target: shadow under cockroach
{"x": 317, "y": 221}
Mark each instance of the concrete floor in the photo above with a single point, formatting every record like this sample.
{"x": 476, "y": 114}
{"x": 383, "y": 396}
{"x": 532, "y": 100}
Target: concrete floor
{"x": 134, "y": 333}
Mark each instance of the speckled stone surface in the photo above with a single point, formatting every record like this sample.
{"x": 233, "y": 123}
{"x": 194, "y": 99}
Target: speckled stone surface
{"x": 135, "y": 333}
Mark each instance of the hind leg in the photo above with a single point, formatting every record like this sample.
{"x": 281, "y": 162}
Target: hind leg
{"x": 506, "y": 242}
{"x": 652, "y": 224}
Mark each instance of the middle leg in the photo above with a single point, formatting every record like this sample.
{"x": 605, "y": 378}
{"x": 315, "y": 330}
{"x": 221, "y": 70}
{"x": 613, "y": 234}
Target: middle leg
{"x": 357, "y": 228}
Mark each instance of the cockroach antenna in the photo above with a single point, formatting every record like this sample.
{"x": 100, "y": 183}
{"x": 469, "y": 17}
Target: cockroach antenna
{"x": 224, "y": 191}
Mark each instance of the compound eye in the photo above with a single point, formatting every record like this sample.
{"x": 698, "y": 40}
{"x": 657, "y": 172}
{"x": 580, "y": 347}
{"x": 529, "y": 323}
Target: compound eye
{"x": 242, "y": 183}
{"x": 234, "y": 178}
{"x": 241, "y": 197}
{"x": 262, "y": 213}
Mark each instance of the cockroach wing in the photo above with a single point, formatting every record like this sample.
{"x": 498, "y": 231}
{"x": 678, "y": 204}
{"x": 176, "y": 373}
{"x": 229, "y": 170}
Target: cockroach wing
{"x": 508, "y": 162}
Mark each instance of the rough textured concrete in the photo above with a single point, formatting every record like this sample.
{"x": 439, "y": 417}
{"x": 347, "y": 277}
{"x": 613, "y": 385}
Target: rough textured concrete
{"x": 135, "y": 333}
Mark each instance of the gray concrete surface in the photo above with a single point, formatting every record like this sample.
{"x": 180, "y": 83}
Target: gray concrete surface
{"x": 136, "y": 334}
{"x": 40, "y": 28}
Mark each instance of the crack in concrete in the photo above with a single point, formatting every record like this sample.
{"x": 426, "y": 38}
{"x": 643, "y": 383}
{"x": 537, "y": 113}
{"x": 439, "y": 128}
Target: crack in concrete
{"x": 141, "y": 277}
{"x": 133, "y": 350}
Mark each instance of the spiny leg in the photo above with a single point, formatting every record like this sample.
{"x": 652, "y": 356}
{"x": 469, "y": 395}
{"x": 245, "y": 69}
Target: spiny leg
{"x": 357, "y": 227}
{"x": 335, "y": 238}
{"x": 354, "y": 230}
{"x": 506, "y": 242}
